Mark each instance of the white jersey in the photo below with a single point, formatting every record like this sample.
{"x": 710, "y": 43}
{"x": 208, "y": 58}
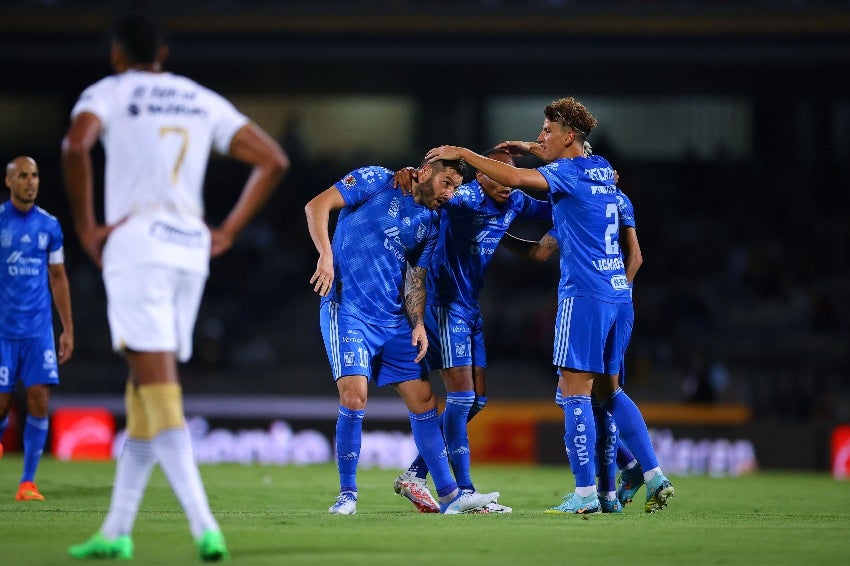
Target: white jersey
{"x": 157, "y": 133}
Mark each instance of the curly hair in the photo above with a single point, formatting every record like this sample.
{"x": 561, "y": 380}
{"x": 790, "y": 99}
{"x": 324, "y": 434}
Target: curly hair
{"x": 570, "y": 112}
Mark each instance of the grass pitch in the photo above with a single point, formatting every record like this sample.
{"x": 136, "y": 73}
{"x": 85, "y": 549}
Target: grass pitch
{"x": 278, "y": 515}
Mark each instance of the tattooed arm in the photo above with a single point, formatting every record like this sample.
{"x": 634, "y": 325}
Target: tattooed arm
{"x": 414, "y": 307}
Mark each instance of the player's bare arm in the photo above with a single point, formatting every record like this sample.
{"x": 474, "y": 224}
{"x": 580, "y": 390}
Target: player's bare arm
{"x": 60, "y": 290}
{"x": 414, "y": 307}
{"x": 318, "y": 212}
{"x": 77, "y": 169}
{"x": 499, "y": 171}
{"x": 251, "y": 145}
{"x": 631, "y": 251}
{"x": 538, "y": 251}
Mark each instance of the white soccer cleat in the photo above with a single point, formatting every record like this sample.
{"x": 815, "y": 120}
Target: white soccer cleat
{"x": 416, "y": 490}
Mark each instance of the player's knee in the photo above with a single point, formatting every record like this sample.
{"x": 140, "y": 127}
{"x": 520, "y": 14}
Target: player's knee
{"x": 163, "y": 406}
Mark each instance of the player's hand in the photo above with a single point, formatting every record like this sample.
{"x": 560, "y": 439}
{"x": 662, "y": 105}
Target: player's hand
{"x": 516, "y": 148}
{"x": 93, "y": 239}
{"x": 66, "y": 346}
{"x": 220, "y": 241}
{"x": 323, "y": 278}
{"x": 447, "y": 152}
{"x": 403, "y": 179}
{"x": 420, "y": 339}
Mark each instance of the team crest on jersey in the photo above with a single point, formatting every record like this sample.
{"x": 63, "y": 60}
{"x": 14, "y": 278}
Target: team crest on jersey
{"x": 348, "y": 358}
{"x": 349, "y": 181}
{"x": 460, "y": 349}
{"x": 420, "y": 232}
{"x": 43, "y": 238}
{"x": 509, "y": 217}
{"x": 6, "y": 238}
{"x": 394, "y": 208}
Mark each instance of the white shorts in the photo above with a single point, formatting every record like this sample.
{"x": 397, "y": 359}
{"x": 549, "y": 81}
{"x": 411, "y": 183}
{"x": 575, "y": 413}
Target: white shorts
{"x": 152, "y": 308}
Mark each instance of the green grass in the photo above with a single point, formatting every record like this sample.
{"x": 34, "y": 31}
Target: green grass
{"x": 278, "y": 515}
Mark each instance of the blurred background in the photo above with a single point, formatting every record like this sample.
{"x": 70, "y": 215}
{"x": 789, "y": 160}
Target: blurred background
{"x": 728, "y": 122}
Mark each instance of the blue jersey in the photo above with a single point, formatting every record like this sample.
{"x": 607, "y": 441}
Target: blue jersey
{"x": 377, "y": 234}
{"x": 28, "y": 242}
{"x": 586, "y": 218}
{"x": 471, "y": 226}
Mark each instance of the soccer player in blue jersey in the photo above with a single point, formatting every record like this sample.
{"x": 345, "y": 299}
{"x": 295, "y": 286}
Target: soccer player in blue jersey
{"x": 372, "y": 282}
{"x": 472, "y": 223}
{"x": 33, "y": 261}
{"x": 612, "y": 453}
{"x": 590, "y": 325}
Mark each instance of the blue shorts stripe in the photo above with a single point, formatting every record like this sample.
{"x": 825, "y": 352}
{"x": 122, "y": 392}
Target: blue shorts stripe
{"x": 445, "y": 335}
{"x": 333, "y": 310}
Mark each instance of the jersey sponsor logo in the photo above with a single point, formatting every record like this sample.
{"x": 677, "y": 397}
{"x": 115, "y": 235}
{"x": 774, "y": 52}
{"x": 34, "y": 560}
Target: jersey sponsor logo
{"x": 20, "y": 265}
{"x": 350, "y": 339}
{"x": 600, "y": 174}
{"x": 603, "y": 189}
{"x": 619, "y": 282}
{"x": 393, "y": 238}
{"x": 172, "y": 234}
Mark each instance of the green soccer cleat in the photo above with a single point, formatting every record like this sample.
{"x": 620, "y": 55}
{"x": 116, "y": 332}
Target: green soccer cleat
{"x": 576, "y": 505}
{"x": 658, "y": 491}
{"x": 99, "y": 546}
{"x": 211, "y": 546}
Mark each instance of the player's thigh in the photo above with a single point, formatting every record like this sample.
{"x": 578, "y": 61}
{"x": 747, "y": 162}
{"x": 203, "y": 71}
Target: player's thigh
{"x": 188, "y": 295}
{"x": 141, "y": 308}
{"x": 396, "y": 363}
{"x": 37, "y": 361}
{"x": 8, "y": 364}
{"x": 583, "y": 333}
{"x": 350, "y": 343}
{"x": 454, "y": 339}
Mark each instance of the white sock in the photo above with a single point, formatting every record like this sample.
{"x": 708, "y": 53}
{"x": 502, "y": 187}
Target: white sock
{"x": 649, "y": 474}
{"x": 173, "y": 450}
{"x": 131, "y": 478}
{"x": 610, "y": 495}
{"x": 586, "y": 490}
{"x": 631, "y": 465}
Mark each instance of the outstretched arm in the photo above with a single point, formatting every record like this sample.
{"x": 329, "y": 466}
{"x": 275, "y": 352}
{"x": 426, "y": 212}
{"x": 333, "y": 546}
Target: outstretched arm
{"x": 499, "y": 171}
{"x": 318, "y": 212}
{"x": 414, "y": 307}
{"x": 538, "y": 251}
{"x": 251, "y": 145}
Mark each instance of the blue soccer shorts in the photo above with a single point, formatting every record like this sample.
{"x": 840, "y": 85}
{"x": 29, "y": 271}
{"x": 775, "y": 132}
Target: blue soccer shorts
{"x": 590, "y": 335}
{"x": 455, "y": 338}
{"x": 32, "y": 361}
{"x": 356, "y": 347}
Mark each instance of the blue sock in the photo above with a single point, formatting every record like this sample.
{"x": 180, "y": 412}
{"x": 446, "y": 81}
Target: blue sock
{"x": 632, "y": 427}
{"x": 458, "y": 404}
{"x": 432, "y": 447}
{"x": 581, "y": 439}
{"x": 477, "y": 406}
{"x": 606, "y": 448}
{"x": 35, "y": 435}
{"x": 624, "y": 455}
{"x": 349, "y": 435}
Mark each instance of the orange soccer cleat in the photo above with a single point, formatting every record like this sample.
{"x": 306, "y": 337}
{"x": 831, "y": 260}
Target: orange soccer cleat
{"x": 27, "y": 491}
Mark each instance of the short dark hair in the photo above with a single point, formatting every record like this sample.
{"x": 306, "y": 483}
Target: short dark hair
{"x": 458, "y": 165}
{"x": 139, "y": 36}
